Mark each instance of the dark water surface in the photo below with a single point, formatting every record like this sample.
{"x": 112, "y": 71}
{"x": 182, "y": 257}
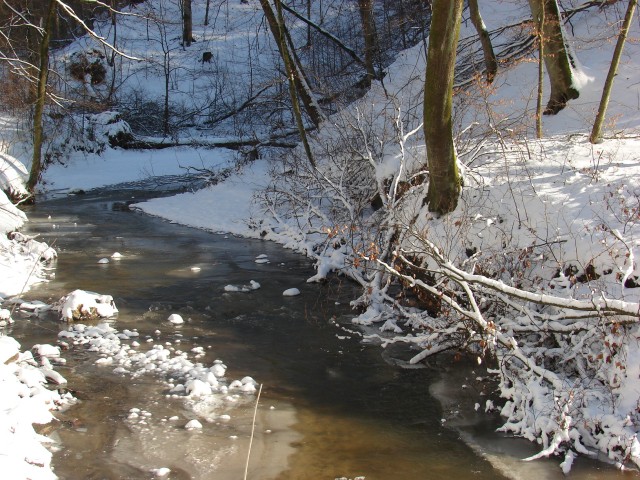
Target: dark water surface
{"x": 331, "y": 406}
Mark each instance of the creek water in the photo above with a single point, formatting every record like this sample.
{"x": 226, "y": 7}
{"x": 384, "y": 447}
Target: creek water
{"x": 330, "y": 407}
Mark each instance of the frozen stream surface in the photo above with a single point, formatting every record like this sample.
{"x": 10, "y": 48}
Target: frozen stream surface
{"x": 330, "y": 407}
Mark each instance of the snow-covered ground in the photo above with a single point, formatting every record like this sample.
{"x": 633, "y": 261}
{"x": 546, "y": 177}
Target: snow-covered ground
{"x": 583, "y": 199}
{"x": 85, "y": 172}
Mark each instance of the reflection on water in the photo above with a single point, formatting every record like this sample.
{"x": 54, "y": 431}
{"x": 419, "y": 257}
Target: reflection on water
{"x": 330, "y": 406}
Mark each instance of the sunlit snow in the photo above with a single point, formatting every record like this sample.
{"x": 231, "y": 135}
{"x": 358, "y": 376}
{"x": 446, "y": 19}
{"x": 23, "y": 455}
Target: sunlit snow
{"x": 567, "y": 191}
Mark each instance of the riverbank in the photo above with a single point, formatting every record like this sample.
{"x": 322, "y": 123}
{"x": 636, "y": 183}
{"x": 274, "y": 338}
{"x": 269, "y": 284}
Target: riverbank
{"x": 323, "y": 424}
{"x": 470, "y": 406}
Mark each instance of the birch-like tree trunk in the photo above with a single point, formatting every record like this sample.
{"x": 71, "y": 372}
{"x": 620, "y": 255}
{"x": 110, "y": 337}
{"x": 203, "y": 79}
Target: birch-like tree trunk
{"x": 556, "y": 56}
{"x": 444, "y": 177}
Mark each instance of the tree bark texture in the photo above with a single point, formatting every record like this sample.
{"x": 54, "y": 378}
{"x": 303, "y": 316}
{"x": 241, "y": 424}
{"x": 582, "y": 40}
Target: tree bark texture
{"x": 541, "y": 50}
{"x": 301, "y": 87}
{"x": 41, "y": 97}
{"x": 369, "y": 31}
{"x": 187, "y": 23}
{"x": 297, "y": 113}
{"x": 557, "y": 59}
{"x": 613, "y": 70}
{"x": 206, "y": 13}
{"x": 490, "y": 61}
{"x": 444, "y": 177}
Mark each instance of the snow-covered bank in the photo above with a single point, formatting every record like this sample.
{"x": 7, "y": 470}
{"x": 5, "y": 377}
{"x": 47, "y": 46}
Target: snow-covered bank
{"x": 85, "y": 171}
{"x": 26, "y": 401}
{"x": 22, "y": 258}
{"x": 465, "y": 394}
{"x": 227, "y": 207}
{"x": 555, "y": 219}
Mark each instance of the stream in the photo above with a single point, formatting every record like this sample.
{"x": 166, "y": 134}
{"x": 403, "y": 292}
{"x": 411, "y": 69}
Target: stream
{"x": 330, "y": 406}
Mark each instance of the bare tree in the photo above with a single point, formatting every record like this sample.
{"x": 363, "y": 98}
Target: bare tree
{"x": 166, "y": 64}
{"x": 318, "y": 28}
{"x": 37, "y": 23}
{"x": 444, "y": 177}
{"x": 288, "y": 64}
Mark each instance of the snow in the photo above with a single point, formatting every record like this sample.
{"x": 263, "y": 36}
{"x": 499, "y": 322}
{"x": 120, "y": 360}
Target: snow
{"x": 574, "y": 197}
{"x": 161, "y": 472}
{"x": 85, "y": 171}
{"x": 193, "y": 425}
{"x": 21, "y": 257}
{"x": 80, "y": 304}
{"x": 253, "y": 285}
{"x": 13, "y": 175}
{"x": 25, "y": 401}
{"x": 9, "y": 348}
{"x": 175, "y": 319}
{"x": 232, "y": 202}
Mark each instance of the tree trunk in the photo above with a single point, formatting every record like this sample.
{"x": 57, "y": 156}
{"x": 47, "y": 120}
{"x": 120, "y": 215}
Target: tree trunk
{"x": 301, "y": 86}
{"x": 613, "y": 69}
{"x": 41, "y": 97}
{"x": 490, "y": 61}
{"x": 187, "y": 23}
{"x": 206, "y": 14}
{"x": 444, "y": 177}
{"x": 33, "y": 46}
{"x": 557, "y": 59}
{"x": 292, "y": 87}
{"x": 309, "y": 24}
{"x": 111, "y": 60}
{"x": 370, "y": 41}
{"x": 541, "y": 50}
{"x": 167, "y": 82}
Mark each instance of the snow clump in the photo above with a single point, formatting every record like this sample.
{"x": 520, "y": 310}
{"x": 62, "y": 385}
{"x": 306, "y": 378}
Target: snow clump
{"x": 203, "y": 387}
{"x": 253, "y": 285}
{"x": 83, "y": 305}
